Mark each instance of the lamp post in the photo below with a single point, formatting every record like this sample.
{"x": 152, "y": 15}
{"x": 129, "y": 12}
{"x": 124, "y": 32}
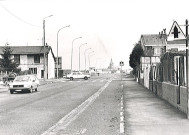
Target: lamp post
{"x": 79, "y": 53}
{"x": 89, "y": 57}
{"x": 44, "y": 61}
{"x": 72, "y": 50}
{"x": 57, "y": 50}
{"x": 85, "y": 57}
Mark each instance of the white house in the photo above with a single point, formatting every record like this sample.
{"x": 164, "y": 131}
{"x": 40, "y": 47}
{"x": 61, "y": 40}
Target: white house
{"x": 32, "y": 58}
{"x": 153, "y": 46}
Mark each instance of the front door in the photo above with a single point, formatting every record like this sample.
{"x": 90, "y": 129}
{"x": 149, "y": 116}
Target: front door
{"x": 42, "y": 73}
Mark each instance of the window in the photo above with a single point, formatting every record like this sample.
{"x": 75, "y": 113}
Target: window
{"x": 33, "y": 70}
{"x": 157, "y": 51}
{"x": 17, "y": 58}
{"x": 36, "y": 58}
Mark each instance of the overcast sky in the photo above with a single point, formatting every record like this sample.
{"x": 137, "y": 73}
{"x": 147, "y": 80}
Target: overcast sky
{"x": 109, "y": 27}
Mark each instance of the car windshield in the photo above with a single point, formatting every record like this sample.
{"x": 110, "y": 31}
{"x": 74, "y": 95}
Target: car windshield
{"x": 21, "y": 78}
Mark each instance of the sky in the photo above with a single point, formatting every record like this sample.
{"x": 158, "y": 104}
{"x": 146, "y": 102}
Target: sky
{"x": 109, "y": 27}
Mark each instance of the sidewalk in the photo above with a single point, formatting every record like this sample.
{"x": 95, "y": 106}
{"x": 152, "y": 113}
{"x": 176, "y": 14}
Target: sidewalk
{"x": 3, "y": 88}
{"x": 147, "y": 114}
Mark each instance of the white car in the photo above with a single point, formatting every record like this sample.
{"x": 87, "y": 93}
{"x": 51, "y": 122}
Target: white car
{"x": 78, "y": 75}
{"x": 24, "y": 83}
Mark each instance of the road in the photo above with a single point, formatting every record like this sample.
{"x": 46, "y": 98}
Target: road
{"x": 34, "y": 113}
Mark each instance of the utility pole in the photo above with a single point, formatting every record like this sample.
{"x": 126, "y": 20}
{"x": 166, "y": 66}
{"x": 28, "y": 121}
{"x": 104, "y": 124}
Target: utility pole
{"x": 44, "y": 50}
{"x": 187, "y": 84}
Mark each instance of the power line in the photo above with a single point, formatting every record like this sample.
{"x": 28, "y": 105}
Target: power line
{"x": 18, "y": 17}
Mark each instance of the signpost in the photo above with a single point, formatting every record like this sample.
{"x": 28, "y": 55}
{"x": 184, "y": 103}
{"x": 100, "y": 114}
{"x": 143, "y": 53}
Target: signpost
{"x": 121, "y": 64}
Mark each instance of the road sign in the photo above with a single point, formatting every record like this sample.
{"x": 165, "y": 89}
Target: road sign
{"x": 121, "y": 63}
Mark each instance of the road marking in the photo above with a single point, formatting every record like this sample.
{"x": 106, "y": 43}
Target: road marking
{"x": 82, "y": 131}
{"x": 122, "y": 124}
{"x": 73, "y": 115}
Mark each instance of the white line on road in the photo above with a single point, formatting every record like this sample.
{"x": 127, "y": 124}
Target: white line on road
{"x": 122, "y": 124}
{"x": 69, "y": 118}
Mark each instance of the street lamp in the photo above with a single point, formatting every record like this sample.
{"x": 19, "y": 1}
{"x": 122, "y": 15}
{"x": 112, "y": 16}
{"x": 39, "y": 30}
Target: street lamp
{"x": 44, "y": 62}
{"x": 57, "y": 50}
{"x": 72, "y": 50}
{"x": 85, "y": 57}
{"x": 79, "y": 53}
{"x": 89, "y": 57}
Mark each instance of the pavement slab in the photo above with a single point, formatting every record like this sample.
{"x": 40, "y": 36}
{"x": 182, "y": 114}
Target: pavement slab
{"x": 147, "y": 114}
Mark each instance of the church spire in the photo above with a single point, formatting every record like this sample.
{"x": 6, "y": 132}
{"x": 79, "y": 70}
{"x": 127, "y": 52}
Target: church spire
{"x": 111, "y": 64}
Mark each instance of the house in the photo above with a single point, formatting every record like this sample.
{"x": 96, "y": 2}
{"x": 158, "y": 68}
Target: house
{"x": 32, "y": 58}
{"x": 171, "y": 76}
{"x": 153, "y": 45}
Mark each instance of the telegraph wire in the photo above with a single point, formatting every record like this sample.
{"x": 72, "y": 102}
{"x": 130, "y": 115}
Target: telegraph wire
{"x": 18, "y": 17}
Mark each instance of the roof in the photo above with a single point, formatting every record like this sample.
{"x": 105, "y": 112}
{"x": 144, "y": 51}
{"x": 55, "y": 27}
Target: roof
{"x": 28, "y": 49}
{"x": 153, "y": 39}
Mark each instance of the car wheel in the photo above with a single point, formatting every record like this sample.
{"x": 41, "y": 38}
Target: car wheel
{"x": 11, "y": 91}
{"x": 85, "y": 77}
{"x": 71, "y": 78}
{"x": 31, "y": 90}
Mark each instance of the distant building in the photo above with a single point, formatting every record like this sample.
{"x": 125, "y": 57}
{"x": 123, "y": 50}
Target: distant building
{"x": 59, "y": 63}
{"x": 111, "y": 66}
{"x": 32, "y": 58}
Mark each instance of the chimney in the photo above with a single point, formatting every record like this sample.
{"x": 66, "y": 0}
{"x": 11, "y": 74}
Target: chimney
{"x": 164, "y": 31}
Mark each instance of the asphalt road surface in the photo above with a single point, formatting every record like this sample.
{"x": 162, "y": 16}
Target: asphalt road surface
{"x": 34, "y": 113}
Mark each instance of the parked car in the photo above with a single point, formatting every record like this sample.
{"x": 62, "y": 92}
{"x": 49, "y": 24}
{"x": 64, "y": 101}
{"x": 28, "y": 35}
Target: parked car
{"x": 24, "y": 83}
{"x": 78, "y": 75}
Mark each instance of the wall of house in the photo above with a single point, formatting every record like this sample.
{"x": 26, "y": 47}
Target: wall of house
{"x": 51, "y": 66}
{"x": 23, "y": 62}
{"x": 146, "y": 77}
{"x": 27, "y": 62}
{"x": 180, "y": 47}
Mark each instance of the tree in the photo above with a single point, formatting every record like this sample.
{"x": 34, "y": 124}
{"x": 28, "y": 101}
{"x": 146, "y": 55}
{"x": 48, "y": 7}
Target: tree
{"x": 6, "y": 62}
{"x": 134, "y": 59}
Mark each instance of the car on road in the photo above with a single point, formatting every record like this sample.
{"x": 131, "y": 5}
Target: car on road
{"x": 24, "y": 83}
{"x": 78, "y": 75}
